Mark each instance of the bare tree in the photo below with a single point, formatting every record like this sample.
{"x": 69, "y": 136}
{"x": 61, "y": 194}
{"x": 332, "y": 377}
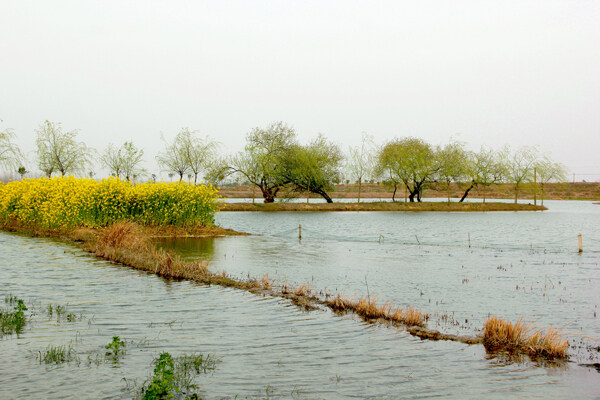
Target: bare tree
{"x": 174, "y": 160}
{"x": 361, "y": 161}
{"x": 199, "y": 153}
{"x": 111, "y": 159}
{"x": 10, "y": 154}
{"x": 125, "y": 160}
{"x": 60, "y": 151}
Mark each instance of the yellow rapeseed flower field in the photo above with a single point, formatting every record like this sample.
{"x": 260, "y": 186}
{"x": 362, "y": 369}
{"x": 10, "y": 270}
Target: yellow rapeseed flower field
{"x": 66, "y": 202}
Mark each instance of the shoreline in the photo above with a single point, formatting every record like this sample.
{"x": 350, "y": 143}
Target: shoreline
{"x": 379, "y": 206}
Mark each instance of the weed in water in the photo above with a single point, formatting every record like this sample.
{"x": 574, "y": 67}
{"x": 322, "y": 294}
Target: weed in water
{"x": 162, "y": 384}
{"x": 61, "y": 314}
{"x": 12, "y": 321}
{"x": 10, "y": 299}
{"x": 57, "y": 355}
{"x": 176, "y": 375}
{"x": 116, "y": 348}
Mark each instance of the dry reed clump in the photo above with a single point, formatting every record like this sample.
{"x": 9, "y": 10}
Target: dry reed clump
{"x": 303, "y": 290}
{"x": 368, "y": 309}
{"x": 262, "y": 283}
{"x": 501, "y": 335}
{"x": 339, "y": 303}
{"x": 414, "y": 317}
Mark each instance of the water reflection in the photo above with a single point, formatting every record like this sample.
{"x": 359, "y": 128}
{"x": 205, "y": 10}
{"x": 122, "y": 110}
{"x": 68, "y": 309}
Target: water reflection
{"x": 189, "y": 247}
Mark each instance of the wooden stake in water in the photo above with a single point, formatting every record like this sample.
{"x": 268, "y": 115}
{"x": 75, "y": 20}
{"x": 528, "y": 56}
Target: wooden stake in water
{"x": 469, "y": 239}
{"x": 580, "y": 243}
{"x": 534, "y": 186}
{"x": 300, "y": 231}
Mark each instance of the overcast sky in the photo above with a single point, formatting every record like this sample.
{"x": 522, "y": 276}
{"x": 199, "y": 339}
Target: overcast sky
{"x": 484, "y": 72}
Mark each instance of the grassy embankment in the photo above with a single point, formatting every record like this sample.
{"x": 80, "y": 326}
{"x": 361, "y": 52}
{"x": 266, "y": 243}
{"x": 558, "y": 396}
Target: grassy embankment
{"x": 118, "y": 222}
{"x": 552, "y": 191}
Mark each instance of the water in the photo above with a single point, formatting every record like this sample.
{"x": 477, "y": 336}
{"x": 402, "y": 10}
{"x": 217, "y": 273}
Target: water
{"x": 271, "y": 349}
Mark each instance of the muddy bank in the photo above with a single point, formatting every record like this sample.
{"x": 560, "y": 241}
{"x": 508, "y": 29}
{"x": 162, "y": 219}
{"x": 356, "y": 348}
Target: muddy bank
{"x": 552, "y": 191}
{"x": 381, "y": 206}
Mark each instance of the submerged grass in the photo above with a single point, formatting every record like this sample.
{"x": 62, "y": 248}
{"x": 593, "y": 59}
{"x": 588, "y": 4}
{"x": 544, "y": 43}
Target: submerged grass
{"x": 57, "y": 355}
{"x": 500, "y": 335}
{"x": 61, "y": 313}
{"x": 13, "y": 321}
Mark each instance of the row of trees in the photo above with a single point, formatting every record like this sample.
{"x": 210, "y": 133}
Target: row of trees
{"x": 273, "y": 159}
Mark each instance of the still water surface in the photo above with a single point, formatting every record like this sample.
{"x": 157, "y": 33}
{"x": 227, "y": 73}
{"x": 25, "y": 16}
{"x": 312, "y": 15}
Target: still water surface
{"x": 519, "y": 264}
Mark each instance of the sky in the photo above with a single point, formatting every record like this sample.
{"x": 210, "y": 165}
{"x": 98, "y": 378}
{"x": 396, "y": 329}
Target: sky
{"x": 493, "y": 73}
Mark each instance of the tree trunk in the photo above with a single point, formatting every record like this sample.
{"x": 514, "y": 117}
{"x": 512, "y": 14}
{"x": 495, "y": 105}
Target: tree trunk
{"x": 464, "y": 196}
{"x": 411, "y": 196}
{"x": 394, "y": 194}
{"x": 324, "y": 195}
{"x": 195, "y": 178}
{"x": 448, "y": 183}
{"x": 268, "y": 194}
{"x": 359, "y": 187}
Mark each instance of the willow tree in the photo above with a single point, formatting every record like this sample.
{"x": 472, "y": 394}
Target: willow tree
{"x": 547, "y": 171}
{"x": 452, "y": 163}
{"x": 59, "y": 151}
{"x": 262, "y": 163}
{"x": 484, "y": 168}
{"x": 387, "y": 167}
{"x": 519, "y": 166}
{"x": 411, "y": 161}
{"x": 314, "y": 168}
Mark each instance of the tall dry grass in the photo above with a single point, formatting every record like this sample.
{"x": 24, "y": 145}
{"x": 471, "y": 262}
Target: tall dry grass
{"x": 123, "y": 242}
{"x": 520, "y": 337}
{"x": 367, "y": 308}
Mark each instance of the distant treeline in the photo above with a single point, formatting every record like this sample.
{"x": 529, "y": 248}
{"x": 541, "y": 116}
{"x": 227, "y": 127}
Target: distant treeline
{"x": 273, "y": 160}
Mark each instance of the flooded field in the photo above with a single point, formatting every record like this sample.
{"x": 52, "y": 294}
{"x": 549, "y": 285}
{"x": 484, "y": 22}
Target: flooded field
{"x": 519, "y": 265}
